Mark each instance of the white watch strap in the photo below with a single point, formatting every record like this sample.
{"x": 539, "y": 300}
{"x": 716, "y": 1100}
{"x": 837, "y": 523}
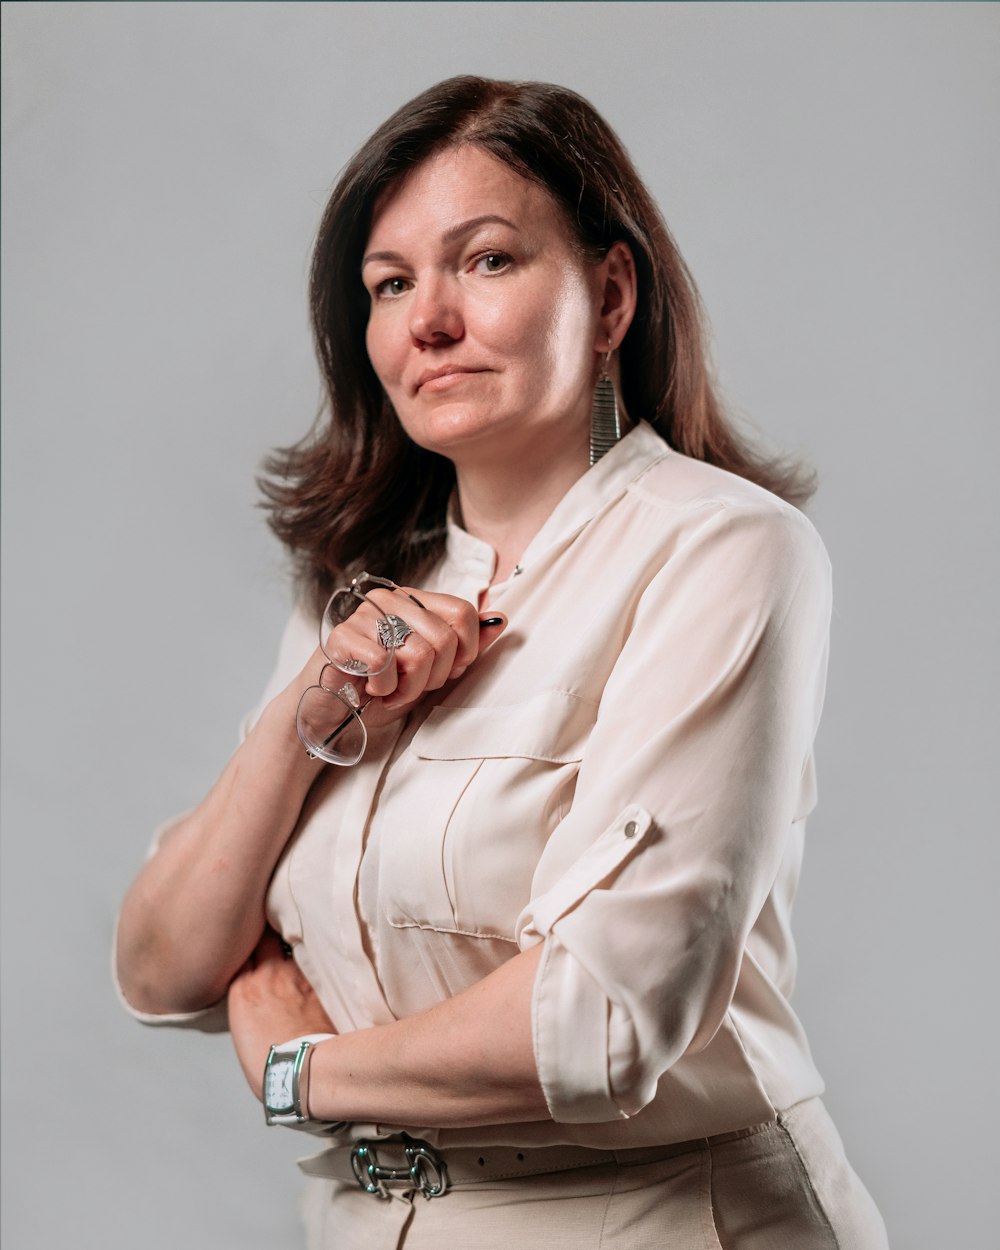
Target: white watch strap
{"x": 296, "y": 1042}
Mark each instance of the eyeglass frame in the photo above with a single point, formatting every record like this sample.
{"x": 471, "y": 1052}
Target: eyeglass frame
{"x": 347, "y": 693}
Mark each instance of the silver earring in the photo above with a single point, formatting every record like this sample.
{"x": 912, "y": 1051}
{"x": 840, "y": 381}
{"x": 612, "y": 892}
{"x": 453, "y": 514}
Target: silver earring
{"x": 605, "y": 423}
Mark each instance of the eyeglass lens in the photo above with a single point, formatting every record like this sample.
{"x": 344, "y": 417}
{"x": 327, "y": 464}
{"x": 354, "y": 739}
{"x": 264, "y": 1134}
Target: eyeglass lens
{"x": 329, "y": 727}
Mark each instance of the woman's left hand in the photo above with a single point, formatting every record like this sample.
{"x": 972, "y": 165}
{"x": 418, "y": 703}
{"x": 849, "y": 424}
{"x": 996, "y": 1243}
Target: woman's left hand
{"x": 270, "y": 1001}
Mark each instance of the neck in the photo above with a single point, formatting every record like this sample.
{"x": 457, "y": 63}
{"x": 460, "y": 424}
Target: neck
{"x": 506, "y": 504}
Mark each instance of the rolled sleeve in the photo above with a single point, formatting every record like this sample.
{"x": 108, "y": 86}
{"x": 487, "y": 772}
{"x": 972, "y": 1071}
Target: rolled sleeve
{"x": 697, "y": 767}
{"x": 212, "y": 1019}
{"x": 574, "y": 1066}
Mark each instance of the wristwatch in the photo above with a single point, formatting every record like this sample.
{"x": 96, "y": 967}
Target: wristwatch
{"x": 286, "y": 1084}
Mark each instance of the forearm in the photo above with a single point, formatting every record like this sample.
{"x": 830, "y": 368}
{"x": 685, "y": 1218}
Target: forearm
{"x": 196, "y": 910}
{"x": 466, "y": 1061}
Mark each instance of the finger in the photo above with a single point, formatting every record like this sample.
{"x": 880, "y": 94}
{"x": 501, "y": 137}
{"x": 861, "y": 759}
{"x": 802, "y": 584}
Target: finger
{"x": 415, "y": 663}
{"x": 354, "y": 648}
{"x": 460, "y": 617}
{"x": 426, "y": 656}
{"x": 382, "y": 685}
{"x": 428, "y": 642}
{"x": 443, "y": 644}
{"x": 491, "y": 626}
{"x": 405, "y": 676}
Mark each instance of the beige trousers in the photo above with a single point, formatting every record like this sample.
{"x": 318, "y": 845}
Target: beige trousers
{"x": 781, "y": 1186}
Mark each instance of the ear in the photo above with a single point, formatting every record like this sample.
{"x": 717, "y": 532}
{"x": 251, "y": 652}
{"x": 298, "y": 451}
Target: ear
{"x": 618, "y": 293}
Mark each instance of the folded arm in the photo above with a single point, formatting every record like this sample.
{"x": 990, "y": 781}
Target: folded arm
{"x": 466, "y": 1061}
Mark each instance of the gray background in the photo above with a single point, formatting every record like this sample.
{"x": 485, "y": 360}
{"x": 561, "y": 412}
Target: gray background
{"x": 830, "y": 173}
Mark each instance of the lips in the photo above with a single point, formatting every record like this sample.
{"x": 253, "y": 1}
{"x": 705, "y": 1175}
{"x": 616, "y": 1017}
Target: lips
{"x": 443, "y": 372}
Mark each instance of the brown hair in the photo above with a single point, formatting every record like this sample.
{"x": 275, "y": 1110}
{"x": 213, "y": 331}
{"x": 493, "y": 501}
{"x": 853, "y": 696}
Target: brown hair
{"x": 356, "y": 491}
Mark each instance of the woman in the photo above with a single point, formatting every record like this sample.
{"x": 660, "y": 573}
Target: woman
{"x": 573, "y": 662}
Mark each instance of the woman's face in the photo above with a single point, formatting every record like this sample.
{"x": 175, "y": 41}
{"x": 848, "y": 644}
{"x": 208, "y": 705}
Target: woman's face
{"x": 485, "y": 325}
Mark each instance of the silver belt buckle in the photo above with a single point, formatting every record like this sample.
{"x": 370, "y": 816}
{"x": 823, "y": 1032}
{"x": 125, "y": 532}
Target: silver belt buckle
{"x": 425, "y": 1170}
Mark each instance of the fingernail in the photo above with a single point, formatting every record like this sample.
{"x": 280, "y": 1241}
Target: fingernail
{"x": 487, "y": 621}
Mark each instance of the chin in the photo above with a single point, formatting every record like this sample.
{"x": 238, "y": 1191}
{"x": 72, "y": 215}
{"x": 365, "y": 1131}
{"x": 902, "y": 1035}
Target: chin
{"x": 450, "y": 431}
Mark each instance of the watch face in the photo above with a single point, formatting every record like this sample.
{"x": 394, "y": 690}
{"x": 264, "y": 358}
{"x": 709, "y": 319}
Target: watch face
{"x": 278, "y": 1085}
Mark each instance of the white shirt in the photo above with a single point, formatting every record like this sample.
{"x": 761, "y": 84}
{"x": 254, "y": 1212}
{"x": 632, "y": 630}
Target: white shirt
{"x": 623, "y": 776}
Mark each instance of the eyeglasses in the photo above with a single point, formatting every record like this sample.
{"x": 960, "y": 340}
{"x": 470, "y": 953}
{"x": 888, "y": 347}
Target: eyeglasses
{"x": 328, "y": 722}
{"x": 328, "y": 718}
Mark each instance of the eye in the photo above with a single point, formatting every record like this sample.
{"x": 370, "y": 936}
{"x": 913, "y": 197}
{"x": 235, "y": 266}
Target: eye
{"x": 389, "y": 288}
{"x": 492, "y": 262}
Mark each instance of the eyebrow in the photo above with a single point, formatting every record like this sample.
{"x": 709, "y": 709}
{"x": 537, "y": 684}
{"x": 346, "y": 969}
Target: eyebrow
{"x": 451, "y": 235}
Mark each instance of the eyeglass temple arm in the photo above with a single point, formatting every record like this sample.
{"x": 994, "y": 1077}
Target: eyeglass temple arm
{"x": 384, "y": 582}
{"x": 344, "y": 723}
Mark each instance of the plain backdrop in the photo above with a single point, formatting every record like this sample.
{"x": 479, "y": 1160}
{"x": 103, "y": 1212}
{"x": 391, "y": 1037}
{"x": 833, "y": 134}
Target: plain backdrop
{"x": 830, "y": 173}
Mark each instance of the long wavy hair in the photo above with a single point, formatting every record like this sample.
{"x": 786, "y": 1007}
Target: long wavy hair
{"x": 356, "y": 491}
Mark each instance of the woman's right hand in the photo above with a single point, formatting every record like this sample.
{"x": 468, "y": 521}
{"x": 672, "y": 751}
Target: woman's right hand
{"x": 448, "y": 635}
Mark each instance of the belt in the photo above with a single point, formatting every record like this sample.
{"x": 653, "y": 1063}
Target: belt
{"x": 405, "y": 1162}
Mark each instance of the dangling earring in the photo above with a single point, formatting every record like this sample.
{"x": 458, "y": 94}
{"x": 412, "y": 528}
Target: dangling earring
{"x": 605, "y": 423}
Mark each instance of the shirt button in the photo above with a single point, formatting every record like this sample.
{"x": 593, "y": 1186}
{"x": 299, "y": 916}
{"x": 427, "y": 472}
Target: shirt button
{"x": 631, "y": 829}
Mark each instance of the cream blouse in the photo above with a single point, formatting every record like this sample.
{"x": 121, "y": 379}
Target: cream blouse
{"x": 624, "y": 776}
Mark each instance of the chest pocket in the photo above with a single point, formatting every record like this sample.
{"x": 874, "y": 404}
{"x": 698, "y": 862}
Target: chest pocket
{"x": 480, "y": 791}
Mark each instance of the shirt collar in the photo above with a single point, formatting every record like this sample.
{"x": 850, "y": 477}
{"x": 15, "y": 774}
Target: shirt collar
{"x": 600, "y": 486}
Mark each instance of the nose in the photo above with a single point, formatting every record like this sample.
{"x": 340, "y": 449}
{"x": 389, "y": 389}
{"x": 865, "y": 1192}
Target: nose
{"x": 435, "y": 313}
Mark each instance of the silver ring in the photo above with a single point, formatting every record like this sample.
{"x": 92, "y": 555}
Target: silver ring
{"x": 393, "y": 631}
